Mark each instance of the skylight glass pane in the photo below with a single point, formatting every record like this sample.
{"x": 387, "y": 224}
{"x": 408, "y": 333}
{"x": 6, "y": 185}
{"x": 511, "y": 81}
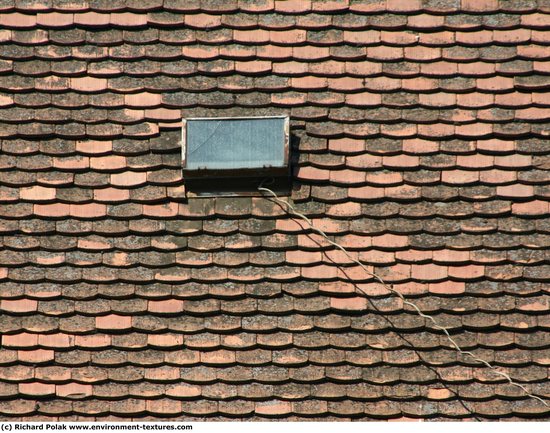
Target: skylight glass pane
{"x": 235, "y": 143}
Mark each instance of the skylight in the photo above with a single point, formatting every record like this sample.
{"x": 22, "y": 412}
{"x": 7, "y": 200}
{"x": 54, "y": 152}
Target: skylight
{"x": 241, "y": 151}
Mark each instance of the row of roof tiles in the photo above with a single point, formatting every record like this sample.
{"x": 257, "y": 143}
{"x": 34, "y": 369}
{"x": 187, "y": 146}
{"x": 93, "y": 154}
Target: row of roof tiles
{"x": 463, "y": 108}
{"x": 420, "y": 19}
{"x": 441, "y": 257}
{"x": 515, "y": 329}
{"x": 56, "y": 76}
{"x": 279, "y": 366}
{"x": 138, "y": 152}
{"x": 280, "y": 6}
{"x": 204, "y": 410}
{"x": 286, "y": 272}
{"x": 327, "y": 129}
{"x": 278, "y": 55}
{"x": 343, "y": 210}
{"x": 255, "y": 40}
{"x": 284, "y": 347}
{"x": 189, "y": 391}
{"x": 479, "y": 293}
{"x": 70, "y": 233}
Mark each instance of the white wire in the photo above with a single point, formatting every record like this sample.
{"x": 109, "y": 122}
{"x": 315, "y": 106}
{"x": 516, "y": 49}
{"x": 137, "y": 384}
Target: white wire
{"x": 291, "y": 210}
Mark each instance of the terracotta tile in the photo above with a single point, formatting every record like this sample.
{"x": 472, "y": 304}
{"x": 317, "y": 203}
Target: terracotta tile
{"x": 382, "y": 84}
{"x": 52, "y": 210}
{"x": 496, "y": 145}
{"x": 203, "y": 52}
{"x": 347, "y": 177}
{"x": 420, "y": 53}
{"x": 420, "y": 84}
{"x": 36, "y": 389}
{"x": 419, "y": 146}
{"x": 362, "y": 69}
{"x": 164, "y": 407}
{"x": 475, "y": 161}
{"x": 310, "y": 53}
{"x": 497, "y": 176}
{"x": 366, "y": 192}
{"x": 288, "y": 37}
{"x": 348, "y": 209}
{"x": 399, "y": 6}
{"x": 292, "y": 6}
{"x": 93, "y": 341}
{"x": 346, "y": 84}
{"x": 143, "y": 100}
{"x": 468, "y": 272}
{"x": 425, "y": 21}
{"x": 165, "y": 340}
{"x": 37, "y": 193}
{"x": 441, "y": 68}
{"x": 385, "y": 53}
{"x": 303, "y": 257}
{"x": 128, "y": 178}
{"x": 515, "y": 160}
{"x": 253, "y": 67}
{"x": 17, "y": 20}
{"x": 6, "y": 100}
{"x": 257, "y": 36}
{"x": 400, "y": 161}
{"x": 536, "y": 207}
{"x": 113, "y": 321}
{"x": 475, "y": 100}
{"x": 111, "y": 162}
{"x": 320, "y": 272}
{"x": 71, "y": 163}
{"x": 202, "y": 21}
{"x": 531, "y": 51}
{"x": 218, "y": 357}
{"x": 274, "y": 52}
{"x": 21, "y": 339}
{"x": 286, "y": 99}
{"x": 370, "y": 6}
{"x": 477, "y": 68}
{"x": 73, "y": 390}
{"x": 55, "y": 340}
{"x": 403, "y": 192}
{"x": 37, "y": 356}
{"x": 534, "y": 20}
{"x": 357, "y": 303}
{"x": 91, "y": 210}
{"x": 111, "y": 195}
{"x": 161, "y": 210}
{"x": 290, "y": 68}
{"x": 94, "y": 147}
{"x": 366, "y": 37}
{"x": 459, "y": 176}
{"x": 384, "y": 178}
{"x": 498, "y": 84}
{"x": 516, "y": 190}
{"x": 93, "y": 243}
{"x": 54, "y": 19}
{"x": 91, "y": 18}
{"x": 88, "y": 84}
{"x": 166, "y": 306}
{"x": 309, "y": 83}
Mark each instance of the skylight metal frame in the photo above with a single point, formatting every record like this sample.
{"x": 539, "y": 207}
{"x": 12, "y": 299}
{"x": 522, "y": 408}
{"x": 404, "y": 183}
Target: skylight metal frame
{"x": 234, "y": 172}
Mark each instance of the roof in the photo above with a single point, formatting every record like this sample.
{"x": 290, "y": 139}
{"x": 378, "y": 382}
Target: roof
{"x": 420, "y": 136}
